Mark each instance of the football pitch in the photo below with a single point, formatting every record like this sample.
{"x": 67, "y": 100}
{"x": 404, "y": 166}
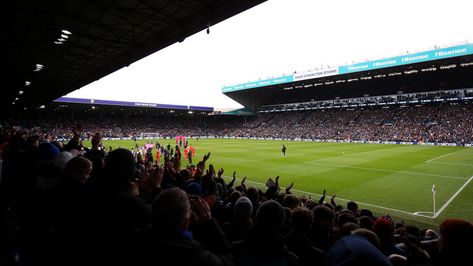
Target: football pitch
{"x": 385, "y": 178}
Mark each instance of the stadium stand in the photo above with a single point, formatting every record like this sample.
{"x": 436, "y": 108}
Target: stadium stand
{"x": 65, "y": 204}
{"x": 433, "y": 117}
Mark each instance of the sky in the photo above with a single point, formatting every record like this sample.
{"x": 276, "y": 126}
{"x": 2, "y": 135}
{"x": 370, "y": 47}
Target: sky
{"x": 279, "y": 37}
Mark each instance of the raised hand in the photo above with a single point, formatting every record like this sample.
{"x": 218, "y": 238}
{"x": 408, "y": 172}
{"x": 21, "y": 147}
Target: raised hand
{"x": 201, "y": 165}
{"x": 321, "y": 200}
{"x": 77, "y": 132}
{"x": 288, "y": 188}
{"x": 170, "y": 168}
{"x": 156, "y": 177}
{"x": 220, "y": 173}
{"x": 177, "y": 163}
{"x": 332, "y": 201}
{"x": 206, "y": 157}
{"x": 243, "y": 184}
{"x": 270, "y": 183}
{"x": 200, "y": 169}
{"x": 178, "y": 155}
{"x": 200, "y": 210}
{"x": 233, "y": 180}
{"x": 212, "y": 171}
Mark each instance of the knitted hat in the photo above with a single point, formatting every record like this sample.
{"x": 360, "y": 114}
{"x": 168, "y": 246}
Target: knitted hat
{"x": 194, "y": 188}
{"x": 270, "y": 217}
{"x": 456, "y": 233}
{"x": 383, "y": 227}
{"x": 243, "y": 208}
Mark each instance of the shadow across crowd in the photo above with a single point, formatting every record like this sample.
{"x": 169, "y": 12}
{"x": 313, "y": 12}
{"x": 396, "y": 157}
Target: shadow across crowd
{"x": 62, "y": 205}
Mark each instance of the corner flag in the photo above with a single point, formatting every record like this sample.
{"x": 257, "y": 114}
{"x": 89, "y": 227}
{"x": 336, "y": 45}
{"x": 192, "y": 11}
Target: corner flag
{"x": 433, "y": 198}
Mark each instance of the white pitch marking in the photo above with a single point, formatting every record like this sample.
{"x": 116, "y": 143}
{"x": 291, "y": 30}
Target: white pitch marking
{"x": 458, "y": 164}
{"x": 384, "y": 170}
{"x": 346, "y": 200}
{"x": 426, "y": 214}
{"x": 443, "y": 155}
{"x": 452, "y": 198}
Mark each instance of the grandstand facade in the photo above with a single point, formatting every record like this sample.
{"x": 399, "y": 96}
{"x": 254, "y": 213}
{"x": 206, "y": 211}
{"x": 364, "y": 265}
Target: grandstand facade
{"x": 424, "y": 97}
{"x": 442, "y": 69}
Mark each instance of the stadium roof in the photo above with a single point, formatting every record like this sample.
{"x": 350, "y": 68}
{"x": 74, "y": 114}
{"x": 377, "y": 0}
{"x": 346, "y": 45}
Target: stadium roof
{"x": 133, "y": 104}
{"x": 50, "y": 48}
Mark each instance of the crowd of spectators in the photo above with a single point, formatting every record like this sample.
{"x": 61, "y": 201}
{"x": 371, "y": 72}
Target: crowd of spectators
{"x": 60, "y": 206}
{"x": 436, "y": 123}
{"x": 396, "y": 99}
{"x": 442, "y": 123}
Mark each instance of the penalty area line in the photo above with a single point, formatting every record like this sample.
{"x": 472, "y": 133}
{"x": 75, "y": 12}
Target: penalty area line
{"x": 458, "y": 164}
{"x": 443, "y": 155}
{"x": 383, "y": 170}
{"x": 438, "y": 157}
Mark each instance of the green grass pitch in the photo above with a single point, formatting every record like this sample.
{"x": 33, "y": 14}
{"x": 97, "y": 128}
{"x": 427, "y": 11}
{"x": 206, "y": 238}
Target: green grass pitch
{"x": 394, "y": 179}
